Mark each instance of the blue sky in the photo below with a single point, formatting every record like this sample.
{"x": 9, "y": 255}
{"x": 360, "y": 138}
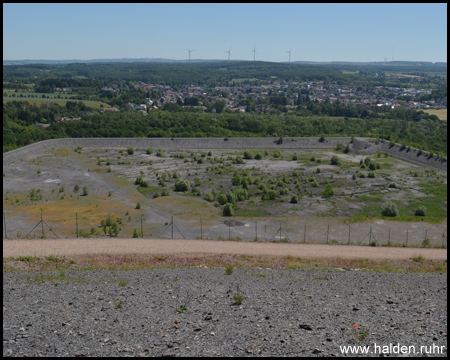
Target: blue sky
{"x": 314, "y": 32}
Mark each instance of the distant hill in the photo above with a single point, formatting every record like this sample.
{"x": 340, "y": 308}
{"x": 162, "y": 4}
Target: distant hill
{"x": 162, "y": 60}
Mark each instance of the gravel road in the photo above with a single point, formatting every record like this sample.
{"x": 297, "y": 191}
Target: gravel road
{"x": 283, "y": 313}
{"x": 67, "y": 247}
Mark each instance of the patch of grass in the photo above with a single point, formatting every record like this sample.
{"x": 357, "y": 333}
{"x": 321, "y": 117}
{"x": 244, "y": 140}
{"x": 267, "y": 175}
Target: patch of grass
{"x": 229, "y": 269}
{"x": 250, "y": 213}
{"x": 123, "y": 282}
{"x": 141, "y": 261}
{"x": 145, "y": 190}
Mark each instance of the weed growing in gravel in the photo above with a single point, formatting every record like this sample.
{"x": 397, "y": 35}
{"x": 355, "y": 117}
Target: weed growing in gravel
{"x": 181, "y": 309}
{"x": 229, "y": 269}
{"x": 238, "y": 296}
{"x": 418, "y": 258}
{"x": 118, "y": 304}
{"x": 123, "y": 282}
{"x": 426, "y": 242}
{"x": 361, "y": 334}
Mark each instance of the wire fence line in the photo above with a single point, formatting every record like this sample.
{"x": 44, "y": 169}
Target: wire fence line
{"x": 374, "y": 234}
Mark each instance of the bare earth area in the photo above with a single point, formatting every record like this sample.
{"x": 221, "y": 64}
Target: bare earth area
{"x": 69, "y": 247}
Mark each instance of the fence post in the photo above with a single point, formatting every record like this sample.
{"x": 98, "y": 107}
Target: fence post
{"x": 426, "y": 230}
{"x": 201, "y": 229}
{"x": 328, "y": 231}
{"x": 304, "y": 235}
{"x": 389, "y": 238}
{"x": 172, "y": 227}
{"x": 142, "y": 230}
{"x": 280, "y": 232}
{"x": 42, "y": 226}
{"x": 76, "y": 223}
{"x": 407, "y": 237}
{"x": 109, "y": 224}
{"x": 348, "y": 235}
{"x": 229, "y": 230}
{"x": 4, "y": 221}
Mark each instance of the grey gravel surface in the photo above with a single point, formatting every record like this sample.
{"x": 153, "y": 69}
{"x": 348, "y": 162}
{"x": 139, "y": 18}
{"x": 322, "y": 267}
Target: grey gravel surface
{"x": 283, "y": 313}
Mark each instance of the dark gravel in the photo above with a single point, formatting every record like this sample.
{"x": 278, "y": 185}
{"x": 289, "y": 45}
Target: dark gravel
{"x": 284, "y": 313}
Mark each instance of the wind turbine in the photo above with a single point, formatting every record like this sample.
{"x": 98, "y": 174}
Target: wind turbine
{"x": 254, "y": 53}
{"x": 189, "y": 54}
{"x": 289, "y": 52}
{"x": 229, "y": 54}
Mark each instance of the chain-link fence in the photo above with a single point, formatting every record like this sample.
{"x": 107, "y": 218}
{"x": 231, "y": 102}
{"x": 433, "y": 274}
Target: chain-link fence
{"x": 376, "y": 233}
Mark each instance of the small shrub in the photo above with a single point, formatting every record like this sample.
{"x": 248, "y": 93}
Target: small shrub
{"x": 390, "y": 210}
{"x": 335, "y": 160}
{"x": 294, "y": 199}
{"x": 420, "y": 211}
{"x": 130, "y": 150}
{"x": 85, "y": 191}
{"x": 138, "y": 205}
{"x": 392, "y": 185}
{"x": 248, "y": 155}
{"x": 209, "y": 197}
{"x": 149, "y": 151}
{"x": 426, "y": 242}
{"x": 182, "y": 185}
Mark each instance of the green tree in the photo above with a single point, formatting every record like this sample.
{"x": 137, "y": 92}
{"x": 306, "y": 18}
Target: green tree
{"x": 328, "y": 192}
{"x": 222, "y": 198}
{"x": 219, "y": 105}
{"x": 228, "y": 210}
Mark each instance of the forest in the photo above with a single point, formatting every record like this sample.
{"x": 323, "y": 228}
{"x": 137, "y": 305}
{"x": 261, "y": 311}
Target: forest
{"x": 413, "y": 128}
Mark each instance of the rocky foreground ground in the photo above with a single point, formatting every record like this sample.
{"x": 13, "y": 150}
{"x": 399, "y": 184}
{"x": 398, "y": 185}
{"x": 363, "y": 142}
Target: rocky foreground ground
{"x": 193, "y": 312}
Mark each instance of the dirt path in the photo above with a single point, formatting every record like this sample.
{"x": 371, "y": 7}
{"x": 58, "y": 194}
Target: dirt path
{"x": 68, "y": 247}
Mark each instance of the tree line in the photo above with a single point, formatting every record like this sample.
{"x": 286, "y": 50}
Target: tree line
{"x": 413, "y": 128}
